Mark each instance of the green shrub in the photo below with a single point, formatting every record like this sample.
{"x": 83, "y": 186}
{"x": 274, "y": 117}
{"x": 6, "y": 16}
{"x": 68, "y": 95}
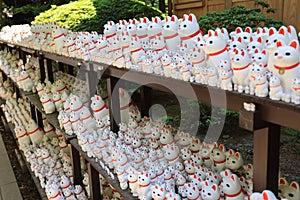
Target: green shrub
{"x": 237, "y": 16}
{"x": 91, "y": 15}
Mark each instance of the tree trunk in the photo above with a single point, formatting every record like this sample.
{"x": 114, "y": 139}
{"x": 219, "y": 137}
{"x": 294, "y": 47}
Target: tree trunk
{"x": 162, "y": 6}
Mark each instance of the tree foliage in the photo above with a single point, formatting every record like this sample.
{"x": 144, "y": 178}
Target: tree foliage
{"x": 91, "y": 15}
{"x": 237, "y": 16}
{"x": 23, "y": 12}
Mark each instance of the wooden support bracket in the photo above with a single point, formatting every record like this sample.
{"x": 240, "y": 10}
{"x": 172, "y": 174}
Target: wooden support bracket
{"x": 113, "y": 103}
{"x": 250, "y": 121}
{"x": 75, "y": 159}
{"x": 266, "y": 145}
{"x": 94, "y": 183}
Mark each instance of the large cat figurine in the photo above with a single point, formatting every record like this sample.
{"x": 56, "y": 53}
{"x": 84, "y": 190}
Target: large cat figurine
{"x": 170, "y": 33}
{"x": 189, "y": 30}
{"x": 216, "y": 49}
{"x": 286, "y": 66}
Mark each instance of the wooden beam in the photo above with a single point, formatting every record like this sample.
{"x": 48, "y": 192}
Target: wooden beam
{"x": 266, "y": 145}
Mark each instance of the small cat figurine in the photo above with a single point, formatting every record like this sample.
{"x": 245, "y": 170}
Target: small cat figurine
{"x": 240, "y": 65}
{"x": 261, "y": 85}
{"x": 234, "y": 161}
{"x": 275, "y": 88}
{"x": 296, "y": 91}
{"x": 210, "y": 192}
{"x": 289, "y": 191}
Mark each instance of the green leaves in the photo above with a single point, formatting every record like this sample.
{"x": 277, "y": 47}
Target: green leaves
{"x": 91, "y": 15}
{"x": 238, "y": 16}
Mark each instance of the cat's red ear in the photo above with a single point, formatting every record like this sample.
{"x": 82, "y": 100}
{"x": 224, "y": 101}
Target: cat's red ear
{"x": 295, "y": 185}
{"x": 294, "y": 44}
{"x": 279, "y": 44}
{"x": 282, "y": 181}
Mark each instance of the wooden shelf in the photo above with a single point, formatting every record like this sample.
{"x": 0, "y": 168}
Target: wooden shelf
{"x": 214, "y": 96}
{"x": 63, "y": 59}
{"x": 52, "y": 118}
{"x": 269, "y": 113}
{"x": 114, "y": 182}
{"x": 28, "y": 50}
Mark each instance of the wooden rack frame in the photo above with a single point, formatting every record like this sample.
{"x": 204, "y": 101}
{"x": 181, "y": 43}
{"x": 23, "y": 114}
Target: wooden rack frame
{"x": 265, "y": 122}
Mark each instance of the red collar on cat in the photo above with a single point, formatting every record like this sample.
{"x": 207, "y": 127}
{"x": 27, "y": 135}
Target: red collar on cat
{"x": 190, "y": 36}
{"x": 171, "y": 36}
{"x": 218, "y": 52}
{"x": 234, "y": 195}
{"x": 241, "y": 68}
{"x": 286, "y": 67}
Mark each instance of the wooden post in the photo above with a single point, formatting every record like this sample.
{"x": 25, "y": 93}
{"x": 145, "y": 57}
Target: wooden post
{"x": 61, "y": 67}
{"x": 75, "y": 159}
{"x": 42, "y": 68}
{"x": 49, "y": 70}
{"x": 70, "y": 70}
{"x": 170, "y": 8}
{"x": 113, "y": 103}
{"x": 92, "y": 80}
{"x": 266, "y": 145}
{"x": 32, "y": 112}
{"x": 94, "y": 183}
{"x": 145, "y": 100}
{"x": 39, "y": 118}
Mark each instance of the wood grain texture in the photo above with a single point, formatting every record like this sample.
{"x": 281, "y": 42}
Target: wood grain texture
{"x": 286, "y": 10}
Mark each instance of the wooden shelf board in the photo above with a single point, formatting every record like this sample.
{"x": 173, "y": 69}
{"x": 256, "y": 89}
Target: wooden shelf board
{"x": 114, "y": 182}
{"x": 52, "y": 118}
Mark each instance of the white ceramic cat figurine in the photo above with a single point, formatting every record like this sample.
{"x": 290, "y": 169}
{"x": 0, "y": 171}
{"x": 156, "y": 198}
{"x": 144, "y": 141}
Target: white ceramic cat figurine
{"x": 154, "y": 28}
{"x": 166, "y": 62}
{"x": 261, "y": 85}
{"x": 158, "y": 192}
{"x": 35, "y": 132}
{"x": 240, "y": 65}
{"x": 210, "y": 191}
{"x": 225, "y": 79}
{"x": 286, "y": 66}
{"x": 133, "y": 181}
{"x": 144, "y": 190}
{"x": 296, "y": 91}
{"x": 255, "y": 44}
{"x": 290, "y": 191}
{"x": 189, "y": 31}
{"x": 110, "y": 31}
{"x": 23, "y": 138}
{"x": 265, "y": 195}
{"x": 198, "y": 57}
{"x": 100, "y": 109}
{"x": 170, "y": 33}
{"x": 158, "y": 46}
{"x": 270, "y": 44}
{"x": 137, "y": 52}
{"x": 25, "y": 82}
{"x": 216, "y": 49}
{"x": 192, "y": 192}
{"x": 142, "y": 30}
{"x": 48, "y": 105}
{"x": 218, "y": 157}
{"x": 231, "y": 186}
{"x": 234, "y": 161}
